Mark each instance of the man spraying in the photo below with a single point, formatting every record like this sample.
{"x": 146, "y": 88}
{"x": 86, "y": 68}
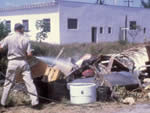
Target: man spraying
{"x": 19, "y": 49}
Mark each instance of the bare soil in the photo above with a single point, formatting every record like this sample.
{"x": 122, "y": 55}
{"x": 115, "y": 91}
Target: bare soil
{"x": 98, "y": 107}
{"x": 21, "y": 105}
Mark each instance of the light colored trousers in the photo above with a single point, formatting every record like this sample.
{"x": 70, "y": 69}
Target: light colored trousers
{"x": 20, "y": 67}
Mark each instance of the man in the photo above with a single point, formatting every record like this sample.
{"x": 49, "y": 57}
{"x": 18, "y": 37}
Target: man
{"x": 19, "y": 49}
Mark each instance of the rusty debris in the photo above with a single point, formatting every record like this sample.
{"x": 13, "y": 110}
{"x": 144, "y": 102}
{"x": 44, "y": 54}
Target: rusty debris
{"x": 133, "y": 62}
{"x": 130, "y": 69}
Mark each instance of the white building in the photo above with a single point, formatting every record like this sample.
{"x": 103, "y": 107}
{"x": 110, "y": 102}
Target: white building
{"x": 77, "y": 22}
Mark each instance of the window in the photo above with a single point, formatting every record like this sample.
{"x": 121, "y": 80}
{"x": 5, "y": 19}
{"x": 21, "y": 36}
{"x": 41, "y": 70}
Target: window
{"x": 144, "y": 30}
{"x": 132, "y": 25}
{"x": 26, "y": 25}
{"x": 72, "y": 23}
{"x": 109, "y": 30}
{"x": 47, "y": 27}
{"x": 8, "y": 25}
{"x": 101, "y": 30}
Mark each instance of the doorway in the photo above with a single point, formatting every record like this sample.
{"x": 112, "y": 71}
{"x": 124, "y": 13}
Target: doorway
{"x": 94, "y": 34}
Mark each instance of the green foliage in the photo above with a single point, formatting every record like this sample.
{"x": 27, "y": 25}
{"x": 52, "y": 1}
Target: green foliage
{"x": 3, "y": 31}
{"x": 3, "y": 61}
{"x": 3, "y": 54}
{"x": 42, "y": 34}
{"x": 145, "y": 4}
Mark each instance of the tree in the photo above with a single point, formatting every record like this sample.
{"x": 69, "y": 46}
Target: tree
{"x": 101, "y": 2}
{"x": 3, "y": 55}
{"x": 145, "y": 4}
{"x": 42, "y": 34}
{"x": 3, "y": 30}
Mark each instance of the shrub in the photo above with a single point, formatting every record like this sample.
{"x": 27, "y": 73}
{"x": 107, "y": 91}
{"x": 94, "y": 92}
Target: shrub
{"x": 3, "y": 55}
{"x": 42, "y": 34}
{"x": 3, "y": 31}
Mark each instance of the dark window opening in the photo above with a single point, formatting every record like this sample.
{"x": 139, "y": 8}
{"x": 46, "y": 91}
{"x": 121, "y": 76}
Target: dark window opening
{"x": 94, "y": 34}
{"x": 144, "y": 30}
{"x": 26, "y": 25}
{"x": 72, "y": 23}
{"x": 132, "y": 25}
{"x": 101, "y": 30}
{"x": 8, "y": 25}
{"x": 47, "y": 27}
{"x": 109, "y": 30}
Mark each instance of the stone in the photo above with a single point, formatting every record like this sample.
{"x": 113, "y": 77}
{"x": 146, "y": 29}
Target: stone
{"x": 148, "y": 95}
{"x": 146, "y": 80}
{"x": 147, "y": 87}
{"x": 129, "y": 100}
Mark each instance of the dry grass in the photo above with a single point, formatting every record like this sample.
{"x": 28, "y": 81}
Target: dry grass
{"x": 16, "y": 98}
{"x": 77, "y": 50}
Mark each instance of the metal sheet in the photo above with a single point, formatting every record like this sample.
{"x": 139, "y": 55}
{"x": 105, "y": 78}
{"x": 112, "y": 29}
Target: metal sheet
{"x": 115, "y": 79}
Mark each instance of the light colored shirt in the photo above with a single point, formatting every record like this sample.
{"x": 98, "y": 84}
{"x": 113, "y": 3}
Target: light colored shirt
{"x": 18, "y": 46}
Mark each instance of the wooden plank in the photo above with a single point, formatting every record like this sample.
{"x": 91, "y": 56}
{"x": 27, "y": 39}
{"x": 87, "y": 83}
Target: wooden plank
{"x": 148, "y": 51}
{"x": 54, "y": 74}
{"x": 51, "y": 73}
{"x": 111, "y": 61}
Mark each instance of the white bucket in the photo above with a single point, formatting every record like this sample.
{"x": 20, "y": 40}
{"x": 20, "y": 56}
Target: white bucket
{"x": 82, "y": 93}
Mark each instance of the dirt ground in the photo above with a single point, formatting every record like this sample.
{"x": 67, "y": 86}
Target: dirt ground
{"x": 21, "y": 105}
{"x": 67, "y": 108}
{"x": 98, "y": 107}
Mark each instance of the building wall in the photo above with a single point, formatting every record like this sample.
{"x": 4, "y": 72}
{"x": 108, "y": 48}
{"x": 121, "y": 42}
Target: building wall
{"x": 32, "y": 15}
{"x": 88, "y": 16}
{"x": 93, "y": 15}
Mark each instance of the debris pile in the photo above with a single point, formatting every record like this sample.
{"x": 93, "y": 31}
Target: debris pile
{"x": 129, "y": 69}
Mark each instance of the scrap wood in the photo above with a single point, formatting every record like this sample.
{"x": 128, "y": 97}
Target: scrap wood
{"x": 115, "y": 62}
{"x": 102, "y": 68}
{"x": 52, "y": 74}
{"x": 38, "y": 69}
{"x": 85, "y": 57}
{"x": 121, "y": 65}
{"x": 125, "y": 61}
{"x": 110, "y": 64}
{"x": 60, "y": 53}
{"x": 148, "y": 50}
{"x": 128, "y": 60}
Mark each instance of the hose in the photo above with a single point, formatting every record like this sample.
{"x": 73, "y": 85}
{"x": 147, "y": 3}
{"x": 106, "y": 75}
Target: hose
{"x": 25, "y": 91}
